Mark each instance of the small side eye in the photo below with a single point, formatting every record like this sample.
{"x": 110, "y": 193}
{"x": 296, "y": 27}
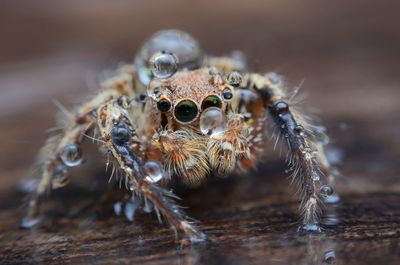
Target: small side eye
{"x": 227, "y": 94}
{"x": 211, "y": 101}
{"x": 186, "y": 111}
{"x": 164, "y": 105}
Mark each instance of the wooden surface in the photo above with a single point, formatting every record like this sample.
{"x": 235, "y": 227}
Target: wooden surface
{"x": 346, "y": 52}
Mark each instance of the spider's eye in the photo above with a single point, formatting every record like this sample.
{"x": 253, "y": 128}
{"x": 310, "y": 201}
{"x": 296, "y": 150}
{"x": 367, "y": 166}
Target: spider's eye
{"x": 227, "y": 94}
{"x": 186, "y": 111}
{"x": 164, "y": 105}
{"x": 211, "y": 101}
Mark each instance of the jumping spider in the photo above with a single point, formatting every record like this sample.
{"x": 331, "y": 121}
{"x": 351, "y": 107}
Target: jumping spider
{"x": 177, "y": 113}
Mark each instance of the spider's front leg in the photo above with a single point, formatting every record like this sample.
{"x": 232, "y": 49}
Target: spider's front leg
{"x": 62, "y": 152}
{"x": 304, "y": 152}
{"x": 137, "y": 160}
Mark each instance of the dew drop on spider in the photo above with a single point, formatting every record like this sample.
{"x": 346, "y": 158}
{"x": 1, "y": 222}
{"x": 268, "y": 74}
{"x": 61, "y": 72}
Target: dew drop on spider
{"x": 326, "y": 190}
{"x": 130, "y": 209}
{"x": 71, "y": 155}
{"x": 213, "y": 122}
{"x": 163, "y": 64}
{"x": 181, "y": 44}
{"x": 315, "y": 176}
{"x": 153, "y": 171}
{"x": 235, "y": 79}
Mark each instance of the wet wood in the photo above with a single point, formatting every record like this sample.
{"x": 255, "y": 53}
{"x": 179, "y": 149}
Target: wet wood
{"x": 249, "y": 219}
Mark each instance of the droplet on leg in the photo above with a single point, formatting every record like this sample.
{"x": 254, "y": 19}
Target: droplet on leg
{"x": 153, "y": 170}
{"x": 130, "y": 208}
{"x": 235, "y": 79}
{"x": 326, "y": 191}
{"x": 213, "y": 122}
{"x": 71, "y": 155}
{"x": 315, "y": 176}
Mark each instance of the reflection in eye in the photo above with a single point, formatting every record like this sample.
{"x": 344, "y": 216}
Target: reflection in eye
{"x": 211, "y": 101}
{"x": 186, "y": 111}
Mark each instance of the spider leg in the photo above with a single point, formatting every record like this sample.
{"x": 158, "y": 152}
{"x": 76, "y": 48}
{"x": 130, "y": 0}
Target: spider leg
{"x": 128, "y": 148}
{"x": 62, "y": 152}
{"x": 305, "y": 153}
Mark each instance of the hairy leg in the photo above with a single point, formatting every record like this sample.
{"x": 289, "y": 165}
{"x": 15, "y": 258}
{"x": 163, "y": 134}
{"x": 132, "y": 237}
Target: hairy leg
{"x": 305, "y": 155}
{"x": 129, "y": 150}
{"x": 63, "y": 152}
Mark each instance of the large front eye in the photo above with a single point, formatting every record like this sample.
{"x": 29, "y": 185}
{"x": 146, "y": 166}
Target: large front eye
{"x": 186, "y": 111}
{"x": 211, "y": 101}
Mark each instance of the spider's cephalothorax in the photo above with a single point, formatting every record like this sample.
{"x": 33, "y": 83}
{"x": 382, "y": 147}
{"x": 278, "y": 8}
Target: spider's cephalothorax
{"x": 177, "y": 113}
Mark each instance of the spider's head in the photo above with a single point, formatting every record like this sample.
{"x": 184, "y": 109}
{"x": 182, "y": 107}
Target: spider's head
{"x": 184, "y": 96}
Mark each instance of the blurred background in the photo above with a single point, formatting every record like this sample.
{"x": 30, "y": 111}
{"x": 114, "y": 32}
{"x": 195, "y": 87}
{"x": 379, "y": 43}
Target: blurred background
{"x": 346, "y": 52}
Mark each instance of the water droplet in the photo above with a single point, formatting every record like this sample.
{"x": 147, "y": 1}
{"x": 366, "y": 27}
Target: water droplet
{"x": 326, "y": 191}
{"x": 163, "y": 64}
{"x": 247, "y": 116}
{"x": 315, "y": 176}
{"x": 308, "y": 153}
{"x": 329, "y": 256}
{"x": 71, "y": 155}
{"x": 184, "y": 46}
{"x": 310, "y": 228}
{"x": 235, "y": 79}
{"x": 153, "y": 170}
{"x": 28, "y": 222}
{"x": 213, "y": 122}
{"x": 118, "y": 208}
{"x": 299, "y": 129}
{"x": 130, "y": 208}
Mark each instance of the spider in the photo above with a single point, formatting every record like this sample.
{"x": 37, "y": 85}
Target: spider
{"x": 178, "y": 114}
